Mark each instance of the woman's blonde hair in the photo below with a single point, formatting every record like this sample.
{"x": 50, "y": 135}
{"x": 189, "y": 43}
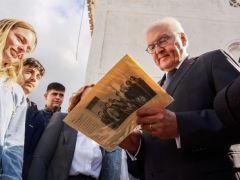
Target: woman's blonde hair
{"x": 11, "y": 71}
{"x": 76, "y": 98}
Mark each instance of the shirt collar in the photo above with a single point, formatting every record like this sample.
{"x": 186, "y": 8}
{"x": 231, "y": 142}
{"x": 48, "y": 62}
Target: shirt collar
{"x": 181, "y": 61}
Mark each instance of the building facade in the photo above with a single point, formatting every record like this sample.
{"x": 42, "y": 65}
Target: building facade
{"x": 118, "y": 29}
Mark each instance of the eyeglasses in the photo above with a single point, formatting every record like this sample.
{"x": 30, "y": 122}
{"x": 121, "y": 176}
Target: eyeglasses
{"x": 163, "y": 41}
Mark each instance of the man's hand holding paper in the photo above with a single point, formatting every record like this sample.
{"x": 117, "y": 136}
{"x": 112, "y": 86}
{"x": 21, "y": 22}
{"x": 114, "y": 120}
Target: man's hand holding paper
{"x": 158, "y": 122}
{"x": 108, "y": 114}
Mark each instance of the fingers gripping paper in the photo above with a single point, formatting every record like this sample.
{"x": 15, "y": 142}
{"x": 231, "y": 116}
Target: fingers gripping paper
{"x": 107, "y": 114}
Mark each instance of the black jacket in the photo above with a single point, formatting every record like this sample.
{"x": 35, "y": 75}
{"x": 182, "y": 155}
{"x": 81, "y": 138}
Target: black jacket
{"x": 208, "y": 150}
{"x": 36, "y": 122}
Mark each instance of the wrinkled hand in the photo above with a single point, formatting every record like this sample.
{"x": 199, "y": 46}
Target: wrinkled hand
{"x": 132, "y": 141}
{"x": 158, "y": 122}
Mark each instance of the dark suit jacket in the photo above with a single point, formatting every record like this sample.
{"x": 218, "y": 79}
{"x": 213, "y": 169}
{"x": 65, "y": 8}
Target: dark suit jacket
{"x": 54, "y": 153}
{"x": 227, "y": 104}
{"x": 52, "y": 158}
{"x": 34, "y": 127}
{"x": 36, "y": 122}
{"x": 205, "y": 145}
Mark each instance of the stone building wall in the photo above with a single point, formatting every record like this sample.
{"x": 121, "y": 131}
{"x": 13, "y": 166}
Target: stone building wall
{"x": 119, "y": 29}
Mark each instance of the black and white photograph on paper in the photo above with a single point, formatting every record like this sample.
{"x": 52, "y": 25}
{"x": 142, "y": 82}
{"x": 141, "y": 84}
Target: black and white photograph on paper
{"x": 131, "y": 94}
{"x": 107, "y": 114}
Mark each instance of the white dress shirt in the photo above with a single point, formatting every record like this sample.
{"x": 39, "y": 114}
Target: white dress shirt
{"x": 87, "y": 158}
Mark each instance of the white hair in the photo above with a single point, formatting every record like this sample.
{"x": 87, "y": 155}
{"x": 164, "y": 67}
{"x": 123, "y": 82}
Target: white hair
{"x": 172, "y": 23}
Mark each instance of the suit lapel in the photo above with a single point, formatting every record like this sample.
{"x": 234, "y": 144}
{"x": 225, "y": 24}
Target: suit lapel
{"x": 180, "y": 73}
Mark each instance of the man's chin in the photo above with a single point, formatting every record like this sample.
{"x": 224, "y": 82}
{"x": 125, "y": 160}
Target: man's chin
{"x": 28, "y": 90}
{"x": 164, "y": 65}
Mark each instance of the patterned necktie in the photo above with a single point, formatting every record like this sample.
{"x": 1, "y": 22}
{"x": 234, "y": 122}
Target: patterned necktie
{"x": 169, "y": 77}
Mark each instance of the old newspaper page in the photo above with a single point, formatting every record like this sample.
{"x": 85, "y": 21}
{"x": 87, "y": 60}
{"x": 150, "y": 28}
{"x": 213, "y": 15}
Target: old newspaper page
{"x": 108, "y": 113}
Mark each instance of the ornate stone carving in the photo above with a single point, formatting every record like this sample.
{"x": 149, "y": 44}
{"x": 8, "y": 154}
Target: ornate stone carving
{"x": 234, "y": 3}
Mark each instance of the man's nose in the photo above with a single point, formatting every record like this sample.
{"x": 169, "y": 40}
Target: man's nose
{"x": 158, "y": 49}
{"x": 34, "y": 78}
{"x": 58, "y": 96}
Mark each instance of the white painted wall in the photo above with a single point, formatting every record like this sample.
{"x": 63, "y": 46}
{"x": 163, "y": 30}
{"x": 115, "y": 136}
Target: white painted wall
{"x": 120, "y": 25}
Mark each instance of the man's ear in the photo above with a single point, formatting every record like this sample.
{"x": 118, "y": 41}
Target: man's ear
{"x": 45, "y": 95}
{"x": 183, "y": 38}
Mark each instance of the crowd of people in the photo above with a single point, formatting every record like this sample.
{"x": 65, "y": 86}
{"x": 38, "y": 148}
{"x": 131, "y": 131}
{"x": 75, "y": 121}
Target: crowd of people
{"x": 195, "y": 138}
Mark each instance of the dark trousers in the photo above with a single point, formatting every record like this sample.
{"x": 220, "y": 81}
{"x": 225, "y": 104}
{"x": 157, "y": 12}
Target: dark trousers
{"x": 81, "y": 177}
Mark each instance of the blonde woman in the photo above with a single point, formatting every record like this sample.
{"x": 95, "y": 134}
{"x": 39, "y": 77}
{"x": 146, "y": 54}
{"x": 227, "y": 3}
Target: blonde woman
{"x": 17, "y": 39}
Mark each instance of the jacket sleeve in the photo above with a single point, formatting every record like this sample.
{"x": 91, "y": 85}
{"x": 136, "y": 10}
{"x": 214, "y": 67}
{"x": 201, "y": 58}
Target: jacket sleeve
{"x": 202, "y": 128}
{"x": 12, "y": 155}
{"x": 136, "y": 167}
{"x": 46, "y": 148}
{"x": 227, "y": 104}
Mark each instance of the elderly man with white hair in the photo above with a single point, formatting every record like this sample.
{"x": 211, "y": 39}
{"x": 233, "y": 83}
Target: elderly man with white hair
{"x": 186, "y": 140}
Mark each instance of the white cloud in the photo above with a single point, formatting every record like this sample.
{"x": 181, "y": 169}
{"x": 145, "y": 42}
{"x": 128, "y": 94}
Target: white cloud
{"x": 57, "y": 23}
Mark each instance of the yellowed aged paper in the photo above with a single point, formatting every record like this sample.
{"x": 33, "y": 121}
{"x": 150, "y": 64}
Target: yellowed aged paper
{"x": 108, "y": 113}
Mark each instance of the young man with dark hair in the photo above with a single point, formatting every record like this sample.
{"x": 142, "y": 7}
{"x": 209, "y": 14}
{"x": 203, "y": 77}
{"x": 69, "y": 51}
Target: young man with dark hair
{"x": 32, "y": 73}
{"x": 54, "y": 96}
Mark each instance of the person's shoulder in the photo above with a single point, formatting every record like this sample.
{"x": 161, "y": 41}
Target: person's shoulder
{"x": 32, "y": 104}
{"x": 45, "y": 113}
{"x": 32, "y": 109}
{"x": 17, "y": 89}
{"x": 57, "y": 119}
{"x": 216, "y": 54}
{"x": 58, "y": 116}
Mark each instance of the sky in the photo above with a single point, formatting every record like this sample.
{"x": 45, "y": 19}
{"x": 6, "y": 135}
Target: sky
{"x": 64, "y": 40}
